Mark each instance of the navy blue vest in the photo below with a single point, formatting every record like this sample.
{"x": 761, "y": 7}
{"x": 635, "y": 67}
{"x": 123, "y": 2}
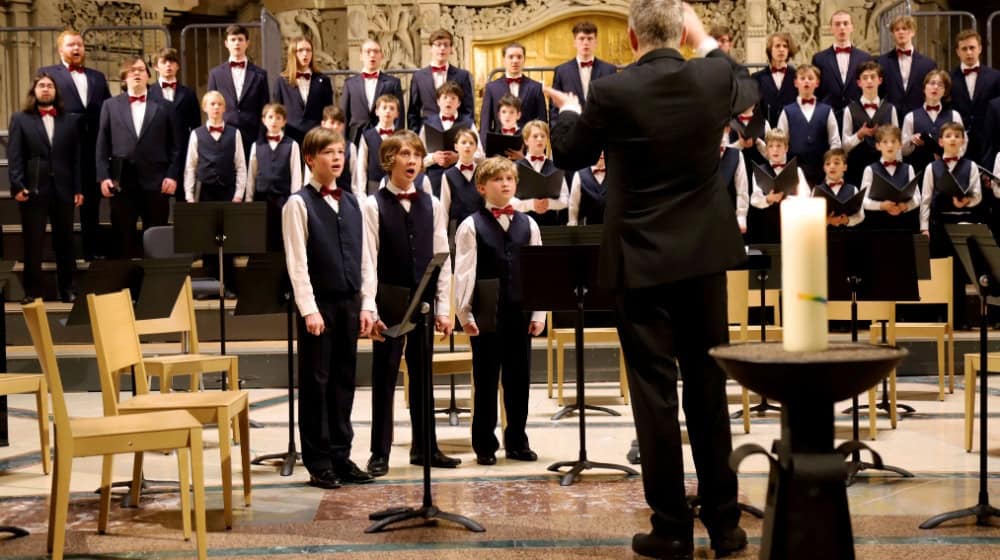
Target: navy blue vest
{"x": 942, "y": 202}
{"x": 550, "y": 218}
{"x": 727, "y": 168}
{"x": 406, "y": 239}
{"x": 216, "y": 170}
{"x": 465, "y": 199}
{"x": 592, "y": 198}
{"x": 865, "y": 153}
{"x": 808, "y": 140}
{"x": 899, "y": 178}
{"x": 344, "y": 181}
{"x": 923, "y": 125}
{"x": 435, "y": 171}
{"x": 274, "y": 171}
{"x": 498, "y": 252}
{"x": 375, "y": 172}
{"x": 333, "y": 247}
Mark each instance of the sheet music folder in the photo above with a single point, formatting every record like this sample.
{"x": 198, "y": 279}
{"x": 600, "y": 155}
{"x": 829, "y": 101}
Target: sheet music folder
{"x": 532, "y": 184}
{"x": 786, "y": 182}
{"x": 884, "y": 189}
{"x": 498, "y": 144}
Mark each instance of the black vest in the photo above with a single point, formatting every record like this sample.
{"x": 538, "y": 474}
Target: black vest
{"x": 375, "y": 172}
{"x": 498, "y": 252}
{"x": 921, "y": 156}
{"x": 808, "y": 140}
{"x": 344, "y": 181}
{"x": 592, "y": 198}
{"x": 333, "y": 247}
{"x": 435, "y": 171}
{"x": 216, "y": 170}
{"x": 406, "y": 239}
{"x": 941, "y": 202}
{"x": 465, "y": 199}
{"x": 274, "y": 168}
{"x": 865, "y": 153}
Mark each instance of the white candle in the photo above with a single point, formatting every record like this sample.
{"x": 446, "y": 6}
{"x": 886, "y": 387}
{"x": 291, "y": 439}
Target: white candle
{"x": 803, "y": 273}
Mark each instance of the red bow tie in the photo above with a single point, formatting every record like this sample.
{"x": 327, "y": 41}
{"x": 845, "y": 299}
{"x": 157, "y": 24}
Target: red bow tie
{"x": 838, "y": 50}
{"x": 904, "y": 52}
{"x": 369, "y": 75}
{"x": 508, "y": 130}
{"x": 967, "y": 71}
{"x": 930, "y": 108}
{"x": 949, "y": 159}
{"x": 777, "y": 166}
{"x": 137, "y": 98}
{"x": 218, "y": 129}
{"x": 411, "y": 196}
{"x": 446, "y": 119}
{"x": 537, "y": 158}
{"x": 587, "y": 64}
{"x": 744, "y": 118}
{"x": 50, "y": 112}
{"x": 892, "y": 163}
{"x": 335, "y": 192}
{"x": 873, "y": 106}
{"x": 274, "y": 138}
{"x": 505, "y": 211}
{"x": 808, "y": 101}
{"x": 168, "y": 85}
{"x": 832, "y": 184}
{"x": 466, "y": 167}
{"x": 776, "y": 70}
{"x": 234, "y": 64}
{"x": 438, "y": 69}
{"x": 76, "y": 68}
{"x": 385, "y": 131}
{"x": 303, "y": 75}
{"x": 513, "y": 81}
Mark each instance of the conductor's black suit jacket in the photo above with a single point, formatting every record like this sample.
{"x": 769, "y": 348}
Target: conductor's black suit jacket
{"x": 659, "y": 122}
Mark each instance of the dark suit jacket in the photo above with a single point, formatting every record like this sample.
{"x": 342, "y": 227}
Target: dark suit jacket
{"x": 423, "y": 96}
{"x": 187, "y": 115}
{"x": 669, "y": 217}
{"x": 97, "y": 92}
{"x": 567, "y": 78}
{"x": 991, "y": 133}
{"x": 832, "y": 90}
{"x": 303, "y": 116}
{"x": 973, "y": 110}
{"x": 532, "y": 103}
{"x": 30, "y": 154}
{"x": 773, "y": 100}
{"x": 152, "y": 152}
{"x": 354, "y": 103}
{"x": 244, "y": 114}
{"x": 909, "y": 96}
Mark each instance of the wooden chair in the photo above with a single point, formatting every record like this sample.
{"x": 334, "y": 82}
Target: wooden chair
{"x": 442, "y": 363}
{"x": 192, "y": 362}
{"x": 112, "y": 322}
{"x": 563, "y": 337}
{"x": 107, "y": 436}
{"x": 936, "y": 291}
{"x": 738, "y": 311}
{"x": 17, "y": 383}
{"x": 972, "y": 366}
{"x": 872, "y": 311}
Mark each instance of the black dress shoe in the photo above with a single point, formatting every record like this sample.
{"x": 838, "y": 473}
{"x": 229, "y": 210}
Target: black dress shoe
{"x": 350, "y": 473}
{"x": 729, "y": 541}
{"x": 378, "y": 465}
{"x": 326, "y": 479}
{"x": 438, "y": 460}
{"x": 663, "y": 547}
{"x": 525, "y": 454}
{"x": 490, "y": 459}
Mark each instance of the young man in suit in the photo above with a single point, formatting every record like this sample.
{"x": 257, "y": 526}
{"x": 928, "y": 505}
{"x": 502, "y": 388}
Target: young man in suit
{"x": 303, "y": 90}
{"x": 574, "y": 76}
{"x": 670, "y": 234}
{"x": 838, "y": 65}
{"x": 904, "y": 68}
{"x": 973, "y": 86}
{"x": 515, "y": 83}
{"x": 84, "y": 90}
{"x": 361, "y": 91}
{"x": 427, "y": 80}
{"x": 183, "y": 99}
{"x": 243, "y": 84}
{"x": 43, "y": 156}
{"x": 136, "y": 158}
{"x": 777, "y": 82}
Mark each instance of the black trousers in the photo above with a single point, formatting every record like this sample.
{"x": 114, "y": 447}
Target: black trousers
{"x": 327, "y": 370}
{"x": 666, "y": 330}
{"x": 127, "y": 207}
{"x": 91, "y": 208}
{"x": 502, "y": 356}
{"x": 34, "y": 213}
{"x": 385, "y": 370}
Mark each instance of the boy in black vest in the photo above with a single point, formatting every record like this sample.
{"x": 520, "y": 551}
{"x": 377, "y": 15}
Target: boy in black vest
{"x": 923, "y": 125}
{"x": 404, "y": 227}
{"x": 488, "y": 246}
{"x": 509, "y": 114}
{"x": 811, "y": 125}
{"x": 459, "y": 196}
{"x": 214, "y": 169}
{"x": 835, "y": 165}
{"x": 885, "y": 214}
{"x": 449, "y": 99}
{"x": 369, "y": 172}
{"x": 334, "y": 119}
{"x": 587, "y": 195}
{"x": 938, "y": 208}
{"x": 545, "y": 211}
{"x": 275, "y": 170}
{"x": 766, "y": 226}
{"x": 861, "y": 117}
{"x": 322, "y": 232}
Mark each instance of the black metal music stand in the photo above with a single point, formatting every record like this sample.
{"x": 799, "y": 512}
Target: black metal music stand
{"x": 569, "y": 258}
{"x": 870, "y": 266}
{"x": 980, "y": 258}
{"x": 418, "y": 318}
{"x": 10, "y": 290}
{"x": 766, "y": 275}
{"x": 221, "y": 227}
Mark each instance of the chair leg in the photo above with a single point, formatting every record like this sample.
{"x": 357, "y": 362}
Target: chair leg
{"x": 244, "y": 426}
{"x": 560, "y": 372}
{"x": 941, "y": 372}
{"x": 872, "y": 414}
{"x": 406, "y": 386}
{"x": 198, "y": 477}
{"x": 893, "y": 415}
{"x": 166, "y": 382}
{"x": 42, "y": 400}
{"x": 548, "y": 363}
{"x": 104, "y": 506}
{"x": 184, "y": 486}
{"x": 622, "y": 375}
{"x": 970, "y": 400}
{"x": 226, "y": 460}
{"x": 136, "y": 488}
{"x": 234, "y": 375}
{"x": 746, "y": 409}
{"x": 951, "y": 361}
{"x": 60, "y": 504}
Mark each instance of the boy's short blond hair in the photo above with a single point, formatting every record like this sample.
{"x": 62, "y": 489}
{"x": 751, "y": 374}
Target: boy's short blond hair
{"x": 951, "y": 127}
{"x": 276, "y": 108}
{"x": 318, "y": 139}
{"x": 212, "y": 94}
{"x": 776, "y": 135}
{"x": 530, "y": 126}
{"x": 391, "y": 146}
{"x": 904, "y": 21}
{"x": 835, "y": 153}
{"x": 804, "y": 69}
{"x": 888, "y": 131}
{"x": 386, "y": 98}
{"x": 493, "y": 168}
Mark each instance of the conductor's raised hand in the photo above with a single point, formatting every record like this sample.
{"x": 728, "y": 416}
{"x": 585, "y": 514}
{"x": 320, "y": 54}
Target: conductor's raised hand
{"x": 314, "y": 324}
{"x": 560, "y": 98}
{"x": 443, "y": 325}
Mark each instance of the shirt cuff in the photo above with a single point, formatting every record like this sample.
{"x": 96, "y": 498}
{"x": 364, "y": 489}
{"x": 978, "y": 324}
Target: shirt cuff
{"x": 572, "y": 106}
{"x": 707, "y": 45}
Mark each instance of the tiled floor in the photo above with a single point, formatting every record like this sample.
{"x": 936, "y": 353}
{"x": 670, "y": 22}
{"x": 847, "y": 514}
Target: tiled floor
{"x": 526, "y": 513}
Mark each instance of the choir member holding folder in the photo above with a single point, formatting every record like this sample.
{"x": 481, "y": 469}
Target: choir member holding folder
{"x": 843, "y": 200}
{"x": 891, "y": 193}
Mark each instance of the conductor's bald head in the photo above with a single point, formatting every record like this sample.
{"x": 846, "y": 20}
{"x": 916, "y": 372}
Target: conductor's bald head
{"x": 656, "y": 23}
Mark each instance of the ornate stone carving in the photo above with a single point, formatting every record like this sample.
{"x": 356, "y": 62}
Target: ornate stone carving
{"x": 81, "y": 14}
{"x": 307, "y": 23}
{"x": 729, "y": 13}
{"x": 395, "y": 28}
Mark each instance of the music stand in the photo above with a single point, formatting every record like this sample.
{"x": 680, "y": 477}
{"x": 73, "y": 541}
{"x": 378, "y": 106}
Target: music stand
{"x": 418, "y": 319}
{"x": 10, "y": 290}
{"x": 870, "y": 266}
{"x": 220, "y": 227}
{"x": 980, "y": 258}
{"x": 766, "y": 265}
{"x": 569, "y": 259}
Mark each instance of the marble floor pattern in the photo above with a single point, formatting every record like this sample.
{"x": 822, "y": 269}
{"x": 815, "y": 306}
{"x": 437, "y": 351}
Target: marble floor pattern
{"x": 525, "y": 511}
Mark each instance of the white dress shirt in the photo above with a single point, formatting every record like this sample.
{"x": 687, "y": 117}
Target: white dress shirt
{"x": 513, "y": 87}
{"x": 832, "y": 130}
{"x": 80, "y": 81}
{"x": 974, "y": 194}
{"x": 576, "y": 193}
{"x": 465, "y": 264}
{"x": 446, "y": 186}
{"x": 192, "y": 188}
{"x": 370, "y": 86}
{"x": 303, "y": 84}
{"x": 239, "y": 75}
{"x": 905, "y": 63}
{"x": 168, "y": 92}
{"x": 138, "y": 109}
{"x": 528, "y": 204}
{"x": 742, "y": 191}
{"x": 851, "y": 139}
{"x": 585, "y": 74}
{"x": 970, "y": 78}
{"x": 996, "y": 171}
{"x": 779, "y": 77}
{"x": 908, "y": 134}
{"x": 440, "y": 77}
{"x": 843, "y": 61}
{"x": 49, "y": 122}
{"x": 370, "y": 248}
{"x": 294, "y": 162}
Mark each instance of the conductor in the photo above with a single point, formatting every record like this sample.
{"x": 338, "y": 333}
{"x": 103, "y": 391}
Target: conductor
{"x": 669, "y": 236}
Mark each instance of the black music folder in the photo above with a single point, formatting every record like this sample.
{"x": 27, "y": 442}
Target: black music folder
{"x": 753, "y": 129}
{"x": 391, "y": 302}
{"x": 884, "y": 189}
{"x": 532, "y": 184}
{"x": 860, "y": 118}
{"x": 950, "y": 186}
{"x": 837, "y": 207}
{"x": 987, "y": 179}
{"x": 485, "y": 304}
{"x": 38, "y": 170}
{"x": 498, "y": 144}
{"x": 785, "y": 182}
{"x": 437, "y": 140}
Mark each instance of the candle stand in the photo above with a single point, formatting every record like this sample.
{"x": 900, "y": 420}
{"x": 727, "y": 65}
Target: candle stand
{"x": 807, "y": 514}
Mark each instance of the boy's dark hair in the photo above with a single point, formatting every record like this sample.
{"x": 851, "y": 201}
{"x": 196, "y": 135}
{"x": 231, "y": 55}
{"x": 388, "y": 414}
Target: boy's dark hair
{"x": 870, "y": 66}
{"x": 237, "y": 29}
{"x": 835, "y": 152}
{"x": 317, "y": 139}
{"x": 31, "y": 102}
{"x": 334, "y": 113}
{"x": 441, "y": 35}
{"x": 585, "y": 27}
{"x": 168, "y": 54}
{"x": 509, "y": 100}
{"x": 466, "y": 132}
{"x": 450, "y": 88}
{"x": 126, "y": 65}
{"x": 514, "y": 45}
{"x": 952, "y": 126}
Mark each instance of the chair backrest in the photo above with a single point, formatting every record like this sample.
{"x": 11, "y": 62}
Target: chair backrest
{"x": 158, "y": 243}
{"x": 938, "y": 289}
{"x": 772, "y": 298}
{"x": 738, "y": 299}
{"x": 41, "y": 338}
{"x": 112, "y": 322}
{"x": 181, "y": 319}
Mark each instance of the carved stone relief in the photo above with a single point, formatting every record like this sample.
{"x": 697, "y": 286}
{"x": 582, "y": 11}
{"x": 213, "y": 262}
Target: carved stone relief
{"x": 309, "y": 23}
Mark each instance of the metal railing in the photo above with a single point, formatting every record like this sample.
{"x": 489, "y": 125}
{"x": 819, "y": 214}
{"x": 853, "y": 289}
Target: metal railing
{"x": 885, "y": 41}
{"x": 989, "y": 46}
{"x": 203, "y": 47}
{"x": 936, "y": 33}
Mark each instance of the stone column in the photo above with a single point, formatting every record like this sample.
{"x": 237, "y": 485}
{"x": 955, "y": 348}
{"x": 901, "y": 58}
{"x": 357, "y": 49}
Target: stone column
{"x": 756, "y": 31}
{"x": 357, "y": 31}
